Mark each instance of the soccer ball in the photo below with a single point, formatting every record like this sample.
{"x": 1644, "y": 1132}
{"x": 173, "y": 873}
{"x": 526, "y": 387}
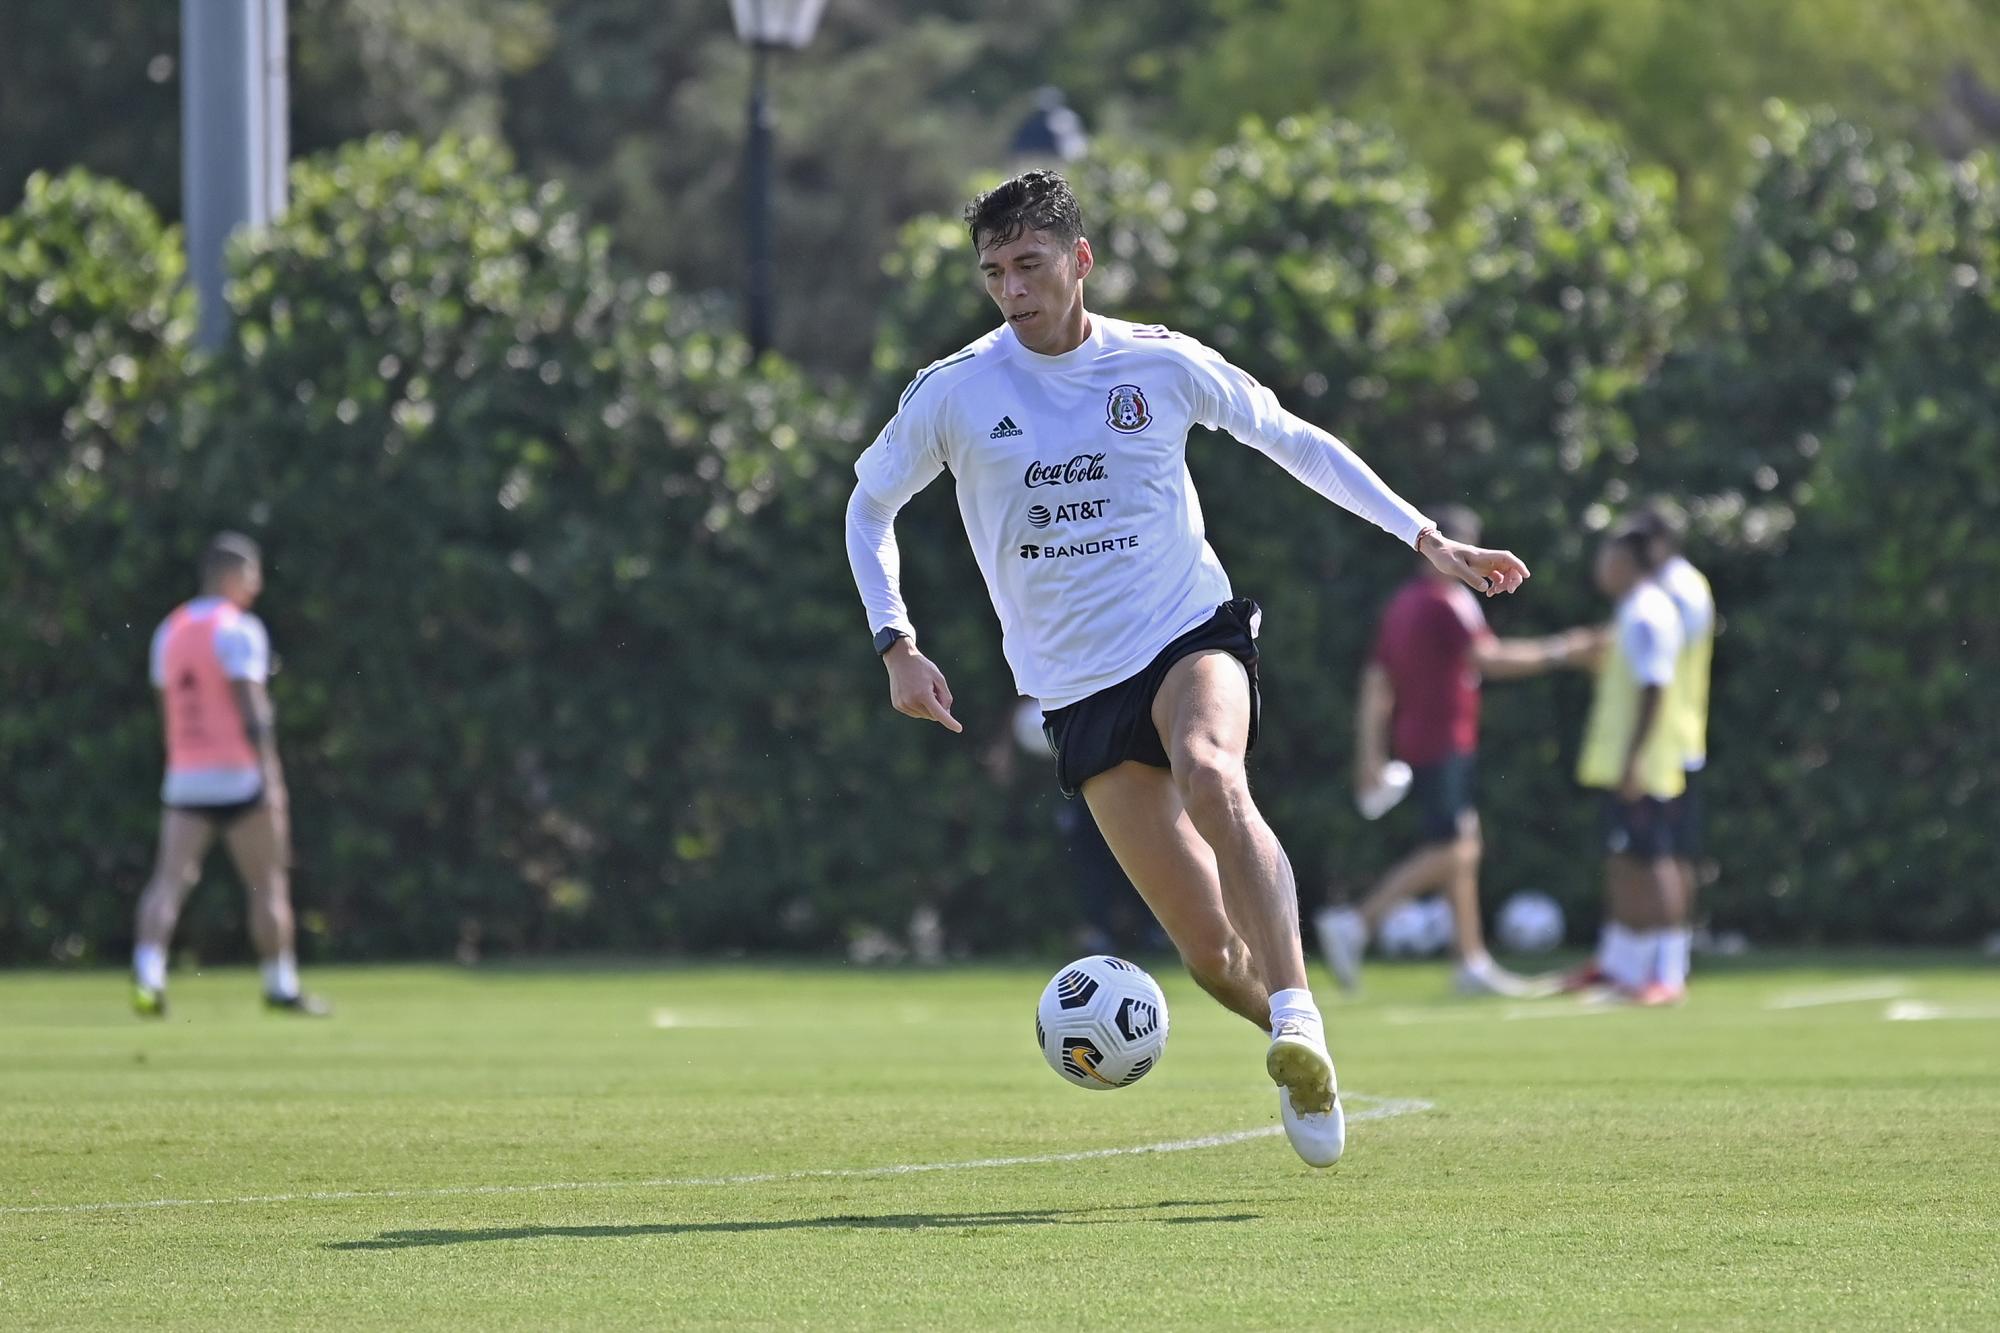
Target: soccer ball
{"x": 1418, "y": 928}
{"x": 1530, "y": 922}
{"x": 1102, "y": 1023}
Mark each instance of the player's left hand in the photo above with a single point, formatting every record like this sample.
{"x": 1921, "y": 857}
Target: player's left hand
{"x": 1482, "y": 570}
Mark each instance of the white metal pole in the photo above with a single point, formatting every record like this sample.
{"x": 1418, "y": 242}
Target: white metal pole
{"x": 234, "y": 138}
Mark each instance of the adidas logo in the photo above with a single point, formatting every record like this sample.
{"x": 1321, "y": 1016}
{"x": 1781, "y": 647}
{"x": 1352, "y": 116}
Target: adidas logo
{"x": 1004, "y": 430}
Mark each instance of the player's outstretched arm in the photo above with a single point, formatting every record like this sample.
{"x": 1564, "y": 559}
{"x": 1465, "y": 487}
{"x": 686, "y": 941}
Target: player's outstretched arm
{"x": 1483, "y": 570}
{"x": 1514, "y": 659}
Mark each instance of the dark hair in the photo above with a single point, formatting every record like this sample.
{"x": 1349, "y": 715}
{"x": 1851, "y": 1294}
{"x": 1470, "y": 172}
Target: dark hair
{"x": 228, "y": 552}
{"x": 1457, "y": 523}
{"x": 1664, "y": 522}
{"x": 1636, "y": 541}
{"x": 1032, "y": 201}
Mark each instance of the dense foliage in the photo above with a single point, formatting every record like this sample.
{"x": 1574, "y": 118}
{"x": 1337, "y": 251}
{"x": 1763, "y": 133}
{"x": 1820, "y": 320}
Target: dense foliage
{"x": 570, "y": 654}
{"x": 637, "y": 106}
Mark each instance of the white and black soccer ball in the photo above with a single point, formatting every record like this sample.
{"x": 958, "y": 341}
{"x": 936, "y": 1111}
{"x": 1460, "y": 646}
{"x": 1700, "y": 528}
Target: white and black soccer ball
{"x": 1101, "y": 1023}
{"x": 1529, "y": 922}
{"x": 1417, "y": 928}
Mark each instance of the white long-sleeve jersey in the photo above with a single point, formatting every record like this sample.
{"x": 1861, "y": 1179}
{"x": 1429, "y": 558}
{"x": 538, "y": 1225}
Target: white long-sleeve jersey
{"x": 1073, "y": 483}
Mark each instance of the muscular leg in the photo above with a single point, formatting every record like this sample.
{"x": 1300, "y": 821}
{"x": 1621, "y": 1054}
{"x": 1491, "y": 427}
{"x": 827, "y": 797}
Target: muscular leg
{"x": 1138, "y": 809}
{"x": 1690, "y": 885}
{"x": 1666, "y": 891}
{"x": 1421, "y": 871}
{"x": 257, "y": 848}
{"x": 1628, "y": 886}
{"x": 184, "y": 841}
{"x": 1202, "y": 712}
{"x": 1468, "y": 936}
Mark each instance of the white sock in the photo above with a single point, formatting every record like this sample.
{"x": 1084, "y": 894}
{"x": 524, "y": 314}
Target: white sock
{"x": 1477, "y": 963}
{"x": 1610, "y": 946}
{"x": 1628, "y": 956}
{"x": 281, "y": 976}
{"x": 1297, "y": 1006}
{"x": 149, "y": 966}
{"x": 1675, "y": 945}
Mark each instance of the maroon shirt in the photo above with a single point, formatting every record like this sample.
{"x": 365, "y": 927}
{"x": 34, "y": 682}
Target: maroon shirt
{"x": 1425, "y": 645}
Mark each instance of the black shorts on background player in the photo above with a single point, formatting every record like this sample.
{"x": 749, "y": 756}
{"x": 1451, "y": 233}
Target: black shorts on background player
{"x": 1443, "y": 794}
{"x": 224, "y": 816}
{"x": 1685, "y": 819}
{"x": 1641, "y": 828}
{"x": 1097, "y": 734}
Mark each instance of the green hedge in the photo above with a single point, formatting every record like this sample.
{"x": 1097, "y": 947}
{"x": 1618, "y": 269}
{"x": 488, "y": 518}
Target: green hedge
{"x": 1542, "y": 361}
{"x": 570, "y": 654}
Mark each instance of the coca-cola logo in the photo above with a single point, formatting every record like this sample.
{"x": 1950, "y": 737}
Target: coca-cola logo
{"x": 1084, "y": 467}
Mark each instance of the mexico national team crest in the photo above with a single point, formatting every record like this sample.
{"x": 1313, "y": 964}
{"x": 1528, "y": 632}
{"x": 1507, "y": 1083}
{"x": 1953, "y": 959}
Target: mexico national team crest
{"x": 1126, "y": 410}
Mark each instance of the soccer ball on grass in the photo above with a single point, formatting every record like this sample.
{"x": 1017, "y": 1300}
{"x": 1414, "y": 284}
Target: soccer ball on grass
{"x": 1530, "y": 922}
{"x": 1417, "y": 928}
{"x": 1101, "y": 1023}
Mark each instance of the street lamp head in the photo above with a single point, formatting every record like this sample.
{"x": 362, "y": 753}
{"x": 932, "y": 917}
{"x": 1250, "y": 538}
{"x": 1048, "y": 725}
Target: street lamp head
{"x": 776, "y": 22}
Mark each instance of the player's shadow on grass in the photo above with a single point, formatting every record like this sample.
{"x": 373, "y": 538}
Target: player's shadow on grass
{"x": 1012, "y": 1217}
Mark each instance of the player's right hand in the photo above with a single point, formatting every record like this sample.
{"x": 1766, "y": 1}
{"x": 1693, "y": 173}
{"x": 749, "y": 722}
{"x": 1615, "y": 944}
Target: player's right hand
{"x": 917, "y": 687}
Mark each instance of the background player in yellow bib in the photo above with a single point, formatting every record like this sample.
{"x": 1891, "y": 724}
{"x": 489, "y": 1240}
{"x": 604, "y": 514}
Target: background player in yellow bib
{"x": 1666, "y": 527}
{"x": 1634, "y": 753}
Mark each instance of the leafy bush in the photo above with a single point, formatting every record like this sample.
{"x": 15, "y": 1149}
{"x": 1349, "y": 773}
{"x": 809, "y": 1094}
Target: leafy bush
{"x": 571, "y": 654}
{"x": 95, "y": 329}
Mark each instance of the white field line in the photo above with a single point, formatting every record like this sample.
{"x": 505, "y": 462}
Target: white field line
{"x": 1513, "y": 1013}
{"x": 675, "y": 1018}
{"x": 1379, "y": 1108}
{"x": 1853, "y": 992}
{"x": 1919, "y": 1011}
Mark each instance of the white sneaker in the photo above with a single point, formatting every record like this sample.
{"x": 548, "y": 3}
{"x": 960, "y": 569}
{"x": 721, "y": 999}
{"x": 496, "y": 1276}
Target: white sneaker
{"x": 1489, "y": 978}
{"x": 1343, "y": 936}
{"x": 1308, "y": 1094}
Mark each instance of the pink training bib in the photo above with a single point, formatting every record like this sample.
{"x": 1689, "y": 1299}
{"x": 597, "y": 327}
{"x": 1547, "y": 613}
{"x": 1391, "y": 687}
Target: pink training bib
{"x": 204, "y": 726}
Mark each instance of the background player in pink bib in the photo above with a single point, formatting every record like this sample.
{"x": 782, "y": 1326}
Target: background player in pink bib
{"x": 211, "y": 659}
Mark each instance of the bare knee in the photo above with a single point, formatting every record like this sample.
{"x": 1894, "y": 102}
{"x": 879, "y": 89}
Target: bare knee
{"x": 1213, "y": 788}
{"x": 171, "y": 883}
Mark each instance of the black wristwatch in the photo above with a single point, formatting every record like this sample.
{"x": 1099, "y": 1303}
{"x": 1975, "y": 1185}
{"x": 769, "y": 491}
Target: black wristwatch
{"x": 885, "y": 639}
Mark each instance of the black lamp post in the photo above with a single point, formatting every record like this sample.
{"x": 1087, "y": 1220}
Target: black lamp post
{"x": 764, "y": 26}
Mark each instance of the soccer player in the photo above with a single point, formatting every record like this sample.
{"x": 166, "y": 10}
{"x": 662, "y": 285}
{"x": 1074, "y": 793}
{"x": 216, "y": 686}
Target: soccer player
{"x": 1666, "y": 527}
{"x": 1066, "y": 433}
{"x": 1633, "y": 752}
{"x": 1420, "y": 702}
{"x": 210, "y": 661}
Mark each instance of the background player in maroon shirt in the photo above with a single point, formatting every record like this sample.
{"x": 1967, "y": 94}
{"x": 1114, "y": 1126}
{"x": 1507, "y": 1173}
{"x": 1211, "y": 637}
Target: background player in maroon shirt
{"x": 1419, "y": 703}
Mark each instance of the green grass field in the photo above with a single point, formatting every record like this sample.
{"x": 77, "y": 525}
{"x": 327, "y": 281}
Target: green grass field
{"x": 1804, "y": 1145}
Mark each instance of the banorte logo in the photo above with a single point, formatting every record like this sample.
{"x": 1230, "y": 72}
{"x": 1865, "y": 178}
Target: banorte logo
{"x": 1084, "y": 467}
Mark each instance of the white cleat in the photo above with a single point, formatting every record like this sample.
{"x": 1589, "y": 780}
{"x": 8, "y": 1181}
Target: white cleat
{"x": 1343, "y": 936}
{"x": 1308, "y": 1094}
{"x": 1489, "y": 978}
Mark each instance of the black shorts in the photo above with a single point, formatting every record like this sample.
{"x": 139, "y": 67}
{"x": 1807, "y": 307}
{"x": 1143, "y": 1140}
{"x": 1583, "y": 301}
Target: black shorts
{"x": 1097, "y": 734}
{"x": 1641, "y": 828}
{"x": 1443, "y": 794}
{"x": 224, "y": 816}
{"x": 1686, "y": 819}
